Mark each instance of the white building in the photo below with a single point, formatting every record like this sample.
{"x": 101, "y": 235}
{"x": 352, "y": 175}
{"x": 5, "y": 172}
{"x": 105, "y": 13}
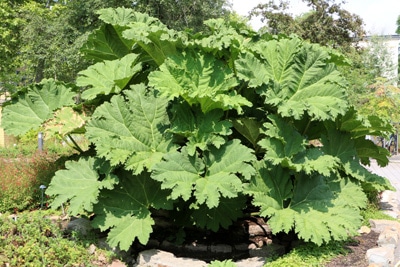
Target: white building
{"x": 392, "y": 44}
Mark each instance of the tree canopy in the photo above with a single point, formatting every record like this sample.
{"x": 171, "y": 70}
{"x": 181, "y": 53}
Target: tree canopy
{"x": 336, "y": 26}
{"x": 42, "y": 39}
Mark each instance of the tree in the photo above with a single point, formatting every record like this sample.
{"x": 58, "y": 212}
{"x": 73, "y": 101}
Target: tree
{"x": 373, "y": 79}
{"x": 10, "y": 29}
{"x": 336, "y": 26}
{"x": 42, "y": 39}
{"x": 184, "y": 14}
{"x": 202, "y": 127}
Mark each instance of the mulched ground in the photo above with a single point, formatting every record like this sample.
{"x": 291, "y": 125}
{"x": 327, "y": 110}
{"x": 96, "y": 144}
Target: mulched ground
{"x": 357, "y": 252}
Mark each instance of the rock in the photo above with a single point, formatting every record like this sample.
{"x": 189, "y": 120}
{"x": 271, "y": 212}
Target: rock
{"x": 388, "y": 242}
{"x": 80, "y": 225}
{"x": 221, "y": 248}
{"x": 194, "y": 247}
{"x": 257, "y": 227}
{"x": 267, "y": 251}
{"x": 382, "y": 255}
{"x": 389, "y": 204}
{"x": 389, "y": 237}
{"x": 380, "y": 225}
{"x": 117, "y": 263}
{"x": 253, "y": 262}
{"x": 158, "y": 258}
{"x": 364, "y": 230}
{"x": 92, "y": 249}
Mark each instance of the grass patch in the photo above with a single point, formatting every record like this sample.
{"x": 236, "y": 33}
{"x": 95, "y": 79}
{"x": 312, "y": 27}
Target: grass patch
{"x": 309, "y": 254}
{"x": 31, "y": 239}
{"x": 373, "y": 212}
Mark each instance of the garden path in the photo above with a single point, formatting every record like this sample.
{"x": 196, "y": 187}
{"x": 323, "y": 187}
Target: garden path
{"x": 391, "y": 172}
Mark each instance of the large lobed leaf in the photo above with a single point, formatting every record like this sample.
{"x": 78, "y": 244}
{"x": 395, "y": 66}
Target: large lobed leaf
{"x": 34, "y": 106}
{"x": 285, "y": 146}
{"x": 125, "y": 210}
{"x": 295, "y": 78}
{"x": 107, "y": 43}
{"x": 131, "y": 130}
{"x": 228, "y": 210}
{"x": 80, "y": 184}
{"x": 65, "y": 121}
{"x": 200, "y": 130}
{"x": 361, "y": 126}
{"x": 199, "y": 79}
{"x": 108, "y": 77}
{"x": 208, "y": 179}
{"x": 317, "y": 208}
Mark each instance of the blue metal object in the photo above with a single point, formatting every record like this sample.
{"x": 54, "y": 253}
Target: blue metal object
{"x": 42, "y": 188}
{"x": 40, "y": 141}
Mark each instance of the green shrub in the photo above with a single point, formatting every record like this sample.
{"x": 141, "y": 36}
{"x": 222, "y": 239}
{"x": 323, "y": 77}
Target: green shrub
{"x": 309, "y": 255}
{"x": 33, "y": 240}
{"x": 207, "y": 125}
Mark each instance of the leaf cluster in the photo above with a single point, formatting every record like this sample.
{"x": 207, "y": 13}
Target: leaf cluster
{"x": 205, "y": 126}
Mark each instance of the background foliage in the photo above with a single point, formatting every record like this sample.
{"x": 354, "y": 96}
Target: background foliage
{"x": 41, "y": 39}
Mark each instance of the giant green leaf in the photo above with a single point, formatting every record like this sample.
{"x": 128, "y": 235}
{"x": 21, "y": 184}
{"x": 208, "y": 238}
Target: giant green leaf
{"x": 131, "y": 130}
{"x": 80, "y": 184}
{"x": 65, "y": 121}
{"x": 250, "y": 128}
{"x": 125, "y": 210}
{"x": 186, "y": 175}
{"x": 108, "y": 77}
{"x": 179, "y": 172}
{"x": 199, "y": 79}
{"x": 228, "y": 211}
{"x": 147, "y": 32}
{"x": 282, "y": 141}
{"x": 277, "y": 58}
{"x": 316, "y": 207}
{"x": 107, "y": 43}
{"x": 360, "y": 126}
{"x": 200, "y": 129}
{"x": 32, "y": 107}
{"x": 271, "y": 187}
{"x": 294, "y": 77}
{"x": 338, "y": 144}
{"x": 227, "y": 38}
{"x": 122, "y": 16}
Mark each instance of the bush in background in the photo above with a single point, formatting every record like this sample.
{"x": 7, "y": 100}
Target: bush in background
{"x": 21, "y": 177}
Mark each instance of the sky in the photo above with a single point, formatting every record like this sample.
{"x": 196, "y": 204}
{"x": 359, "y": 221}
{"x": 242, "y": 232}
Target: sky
{"x": 379, "y": 16}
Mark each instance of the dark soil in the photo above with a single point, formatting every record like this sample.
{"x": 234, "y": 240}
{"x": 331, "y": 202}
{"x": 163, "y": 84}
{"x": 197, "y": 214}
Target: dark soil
{"x": 357, "y": 251}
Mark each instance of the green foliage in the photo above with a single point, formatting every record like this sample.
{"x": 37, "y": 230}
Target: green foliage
{"x": 206, "y": 126}
{"x": 184, "y": 14}
{"x": 128, "y": 215}
{"x": 80, "y": 182}
{"x": 35, "y": 105}
{"x": 32, "y": 239}
{"x": 131, "y": 130}
{"x": 336, "y": 26}
{"x": 226, "y": 263}
{"x": 309, "y": 254}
